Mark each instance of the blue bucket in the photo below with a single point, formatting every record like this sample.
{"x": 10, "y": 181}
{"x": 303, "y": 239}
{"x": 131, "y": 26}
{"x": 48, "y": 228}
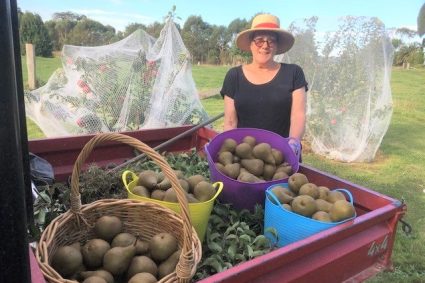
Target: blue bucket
{"x": 289, "y": 225}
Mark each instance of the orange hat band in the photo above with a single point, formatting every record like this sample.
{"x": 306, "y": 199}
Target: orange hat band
{"x": 267, "y": 25}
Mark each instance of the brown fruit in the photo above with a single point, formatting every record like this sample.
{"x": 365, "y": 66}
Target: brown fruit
{"x": 158, "y": 194}
{"x": 232, "y": 170}
{"x": 341, "y": 210}
{"x": 185, "y": 185}
{"x": 148, "y": 179}
{"x": 123, "y": 240}
{"x": 244, "y": 151}
{"x": 280, "y": 175}
{"x": 169, "y": 265}
{"x": 95, "y": 279}
{"x": 225, "y": 157}
{"x": 170, "y": 195}
{"x": 93, "y": 252}
{"x": 309, "y": 189}
{"x": 144, "y": 277}
{"x": 254, "y": 166}
{"x": 117, "y": 259}
{"x": 195, "y": 179}
{"x": 67, "y": 260}
{"x": 304, "y": 205}
{"x": 107, "y": 227}
{"x": 323, "y": 192}
{"x": 278, "y": 156}
{"x": 296, "y": 180}
{"x": 252, "y": 141}
{"x": 287, "y": 206}
{"x": 281, "y": 195}
{"x": 141, "y": 191}
{"x": 268, "y": 171}
{"x": 141, "y": 264}
{"x": 204, "y": 191}
{"x": 334, "y": 196}
{"x": 162, "y": 245}
{"x": 263, "y": 151}
{"x": 323, "y": 205}
{"x": 99, "y": 273}
{"x": 322, "y": 216}
{"x": 228, "y": 144}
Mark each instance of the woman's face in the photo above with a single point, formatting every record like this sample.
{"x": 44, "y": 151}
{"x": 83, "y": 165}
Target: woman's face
{"x": 263, "y": 46}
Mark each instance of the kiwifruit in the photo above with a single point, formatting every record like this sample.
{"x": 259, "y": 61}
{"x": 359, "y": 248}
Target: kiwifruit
{"x": 141, "y": 191}
{"x": 279, "y": 175}
{"x": 204, "y": 191}
{"x": 144, "y": 277}
{"x": 323, "y": 205}
{"x": 228, "y": 144}
{"x": 333, "y": 196}
{"x": 280, "y": 194}
{"x": 225, "y": 157}
{"x": 170, "y": 195}
{"x": 304, "y": 205}
{"x": 252, "y": 141}
{"x": 169, "y": 265}
{"x": 123, "y": 239}
{"x": 99, "y": 273}
{"x": 117, "y": 259}
{"x": 309, "y": 189}
{"x": 141, "y": 264}
{"x": 244, "y": 151}
{"x": 158, "y": 194}
{"x": 278, "y": 156}
{"x": 93, "y": 252}
{"x": 195, "y": 179}
{"x": 162, "y": 245}
{"x": 268, "y": 171}
{"x": 263, "y": 151}
{"x": 95, "y": 279}
{"x": 296, "y": 180}
{"x": 107, "y": 227}
{"x": 323, "y": 192}
{"x": 254, "y": 166}
{"x": 322, "y": 216}
{"x": 341, "y": 210}
{"x": 148, "y": 179}
{"x": 232, "y": 170}
{"x": 67, "y": 260}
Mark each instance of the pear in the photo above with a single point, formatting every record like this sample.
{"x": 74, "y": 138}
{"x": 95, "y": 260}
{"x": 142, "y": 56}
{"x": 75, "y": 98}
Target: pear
{"x": 323, "y": 205}
{"x": 143, "y": 277}
{"x": 268, "y": 171}
{"x": 194, "y": 180}
{"x": 244, "y": 151}
{"x": 164, "y": 185}
{"x": 287, "y": 206}
{"x": 341, "y": 210}
{"x": 185, "y": 185}
{"x": 107, "y": 227}
{"x": 170, "y": 195}
{"x": 67, "y": 260}
{"x": 280, "y": 194}
{"x": 247, "y": 177}
{"x": 254, "y": 166}
{"x": 141, "y": 191}
{"x": 232, "y": 170}
{"x": 142, "y": 247}
{"x": 309, "y": 189}
{"x": 228, "y": 144}
{"x": 98, "y": 273}
{"x": 158, "y": 194}
{"x": 280, "y": 175}
{"x": 322, "y": 216}
{"x": 141, "y": 264}
{"x": 296, "y": 180}
{"x": 278, "y": 156}
{"x": 334, "y": 196}
{"x": 285, "y": 168}
{"x": 220, "y": 167}
{"x": 204, "y": 191}
{"x": 93, "y": 252}
{"x": 169, "y": 265}
{"x": 117, "y": 259}
{"x": 252, "y": 141}
{"x": 123, "y": 240}
{"x": 162, "y": 245}
{"x": 323, "y": 192}
{"x": 263, "y": 151}
{"x": 148, "y": 179}
{"x": 304, "y": 205}
{"x": 225, "y": 157}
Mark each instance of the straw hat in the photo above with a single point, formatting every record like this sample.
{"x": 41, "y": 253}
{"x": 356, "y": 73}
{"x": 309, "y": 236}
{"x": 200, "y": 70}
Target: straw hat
{"x": 266, "y": 22}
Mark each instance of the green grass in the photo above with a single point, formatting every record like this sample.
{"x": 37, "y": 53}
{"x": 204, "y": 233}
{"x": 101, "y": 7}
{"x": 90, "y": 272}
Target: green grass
{"x": 398, "y": 170}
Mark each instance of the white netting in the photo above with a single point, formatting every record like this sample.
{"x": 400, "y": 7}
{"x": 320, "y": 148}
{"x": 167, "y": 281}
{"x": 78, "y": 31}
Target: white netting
{"x": 349, "y": 104}
{"x": 136, "y": 83}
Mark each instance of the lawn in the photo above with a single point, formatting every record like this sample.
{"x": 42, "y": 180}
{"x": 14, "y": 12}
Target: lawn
{"x": 398, "y": 170}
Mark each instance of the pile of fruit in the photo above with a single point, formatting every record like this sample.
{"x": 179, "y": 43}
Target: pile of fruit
{"x": 317, "y": 202}
{"x": 251, "y": 162}
{"x": 116, "y": 256}
{"x": 155, "y": 185}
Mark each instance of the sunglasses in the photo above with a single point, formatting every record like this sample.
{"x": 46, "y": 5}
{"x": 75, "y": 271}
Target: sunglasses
{"x": 259, "y": 42}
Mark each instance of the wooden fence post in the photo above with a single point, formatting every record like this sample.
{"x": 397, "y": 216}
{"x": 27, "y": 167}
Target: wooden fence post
{"x": 30, "y": 51}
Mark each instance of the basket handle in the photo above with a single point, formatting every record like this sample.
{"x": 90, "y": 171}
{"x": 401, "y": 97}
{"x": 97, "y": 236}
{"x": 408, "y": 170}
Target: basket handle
{"x": 348, "y": 193}
{"x": 186, "y": 262}
{"x": 124, "y": 178}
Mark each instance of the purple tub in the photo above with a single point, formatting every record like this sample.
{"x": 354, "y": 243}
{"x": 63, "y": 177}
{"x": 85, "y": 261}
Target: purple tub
{"x": 241, "y": 194}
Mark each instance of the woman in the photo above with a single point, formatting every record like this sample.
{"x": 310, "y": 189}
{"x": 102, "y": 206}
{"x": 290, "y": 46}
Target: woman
{"x": 265, "y": 94}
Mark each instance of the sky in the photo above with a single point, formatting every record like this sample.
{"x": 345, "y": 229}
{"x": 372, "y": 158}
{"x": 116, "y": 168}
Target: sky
{"x": 120, "y": 13}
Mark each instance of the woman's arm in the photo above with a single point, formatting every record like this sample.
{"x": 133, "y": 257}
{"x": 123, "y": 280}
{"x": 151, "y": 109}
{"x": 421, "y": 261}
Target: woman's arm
{"x": 298, "y": 114}
{"x": 230, "y": 117}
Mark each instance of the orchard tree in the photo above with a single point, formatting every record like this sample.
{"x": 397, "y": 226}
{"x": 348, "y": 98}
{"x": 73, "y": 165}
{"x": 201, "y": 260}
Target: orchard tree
{"x": 196, "y": 35}
{"x": 421, "y": 21}
{"x": 88, "y": 32}
{"x": 32, "y": 30}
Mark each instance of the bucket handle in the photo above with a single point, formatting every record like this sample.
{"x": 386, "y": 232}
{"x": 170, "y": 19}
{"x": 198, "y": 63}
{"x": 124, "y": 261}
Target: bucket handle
{"x": 269, "y": 193}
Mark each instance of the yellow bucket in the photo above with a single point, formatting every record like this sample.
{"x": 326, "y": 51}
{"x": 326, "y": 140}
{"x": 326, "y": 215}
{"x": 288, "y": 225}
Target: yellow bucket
{"x": 199, "y": 212}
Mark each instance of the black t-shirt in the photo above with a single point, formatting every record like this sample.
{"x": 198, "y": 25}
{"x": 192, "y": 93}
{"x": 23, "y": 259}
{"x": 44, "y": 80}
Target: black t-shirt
{"x": 264, "y": 106}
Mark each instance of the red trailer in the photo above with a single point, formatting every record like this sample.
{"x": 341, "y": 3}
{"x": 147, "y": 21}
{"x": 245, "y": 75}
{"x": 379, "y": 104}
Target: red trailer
{"x": 350, "y": 252}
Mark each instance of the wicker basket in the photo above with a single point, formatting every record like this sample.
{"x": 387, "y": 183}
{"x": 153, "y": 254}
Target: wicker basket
{"x": 143, "y": 218}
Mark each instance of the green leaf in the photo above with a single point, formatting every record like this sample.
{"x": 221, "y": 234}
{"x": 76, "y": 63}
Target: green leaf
{"x": 231, "y": 251}
{"x": 231, "y": 237}
{"x": 246, "y": 238}
{"x": 250, "y": 251}
{"x": 215, "y": 247}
